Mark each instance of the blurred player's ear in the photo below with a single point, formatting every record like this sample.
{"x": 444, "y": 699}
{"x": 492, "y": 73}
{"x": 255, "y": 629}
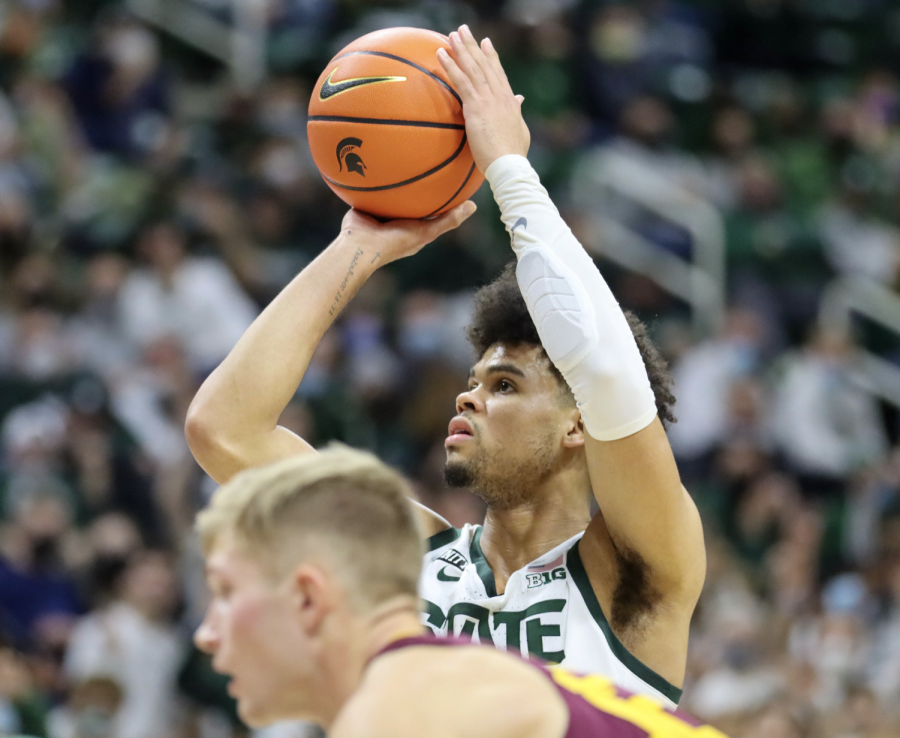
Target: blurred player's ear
{"x": 314, "y": 595}
{"x": 574, "y": 430}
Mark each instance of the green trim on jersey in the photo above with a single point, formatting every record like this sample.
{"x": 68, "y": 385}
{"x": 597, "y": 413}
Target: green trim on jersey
{"x": 638, "y": 668}
{"x": 448, "y": 535}
{"x": 481, "y": 564}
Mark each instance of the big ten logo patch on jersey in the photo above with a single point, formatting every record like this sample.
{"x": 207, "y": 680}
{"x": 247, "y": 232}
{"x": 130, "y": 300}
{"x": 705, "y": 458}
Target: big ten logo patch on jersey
{"x": 544, "y": 577}
{"x": 505, "y": 629}
{"x": 643, "y": 712}
{"x": 455, "y": 563}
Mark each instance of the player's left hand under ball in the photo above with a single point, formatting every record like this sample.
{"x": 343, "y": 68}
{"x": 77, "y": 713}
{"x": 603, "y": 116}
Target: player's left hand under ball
{"x": 396, "y": 239}
{"x": 494, "y": 123}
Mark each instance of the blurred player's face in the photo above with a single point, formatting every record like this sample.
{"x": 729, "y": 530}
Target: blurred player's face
{"x": 251, "y": 631}
{"x": 513, "y": 426}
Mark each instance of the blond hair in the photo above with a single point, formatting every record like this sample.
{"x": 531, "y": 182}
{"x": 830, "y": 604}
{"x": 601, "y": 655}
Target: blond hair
{"x": 340, "y": 505}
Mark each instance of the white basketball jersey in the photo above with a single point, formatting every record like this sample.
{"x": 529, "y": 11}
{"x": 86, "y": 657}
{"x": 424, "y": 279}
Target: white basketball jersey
{"x": 549, "y": 610}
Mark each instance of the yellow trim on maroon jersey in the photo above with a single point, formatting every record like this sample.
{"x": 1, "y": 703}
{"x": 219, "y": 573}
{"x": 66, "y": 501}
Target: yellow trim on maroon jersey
{"x": 643, "y": 712}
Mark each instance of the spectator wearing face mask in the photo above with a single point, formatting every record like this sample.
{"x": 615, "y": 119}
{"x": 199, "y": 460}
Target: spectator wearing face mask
{"x": 119, "y": 91}
{"x": 824, "y": 423}
{"x": 133, "y": 642}
{"x": 90, "y": 710}
{"x": 197, "y": 301}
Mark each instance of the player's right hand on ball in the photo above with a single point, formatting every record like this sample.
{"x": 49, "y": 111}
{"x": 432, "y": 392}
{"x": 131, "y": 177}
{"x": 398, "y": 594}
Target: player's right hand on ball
{"x": 395, "y": 239}
{"x": 494, "y": 123}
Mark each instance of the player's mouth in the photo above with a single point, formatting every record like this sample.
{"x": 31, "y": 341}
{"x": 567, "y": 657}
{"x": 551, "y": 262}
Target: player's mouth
{"x": 459, "y": 431}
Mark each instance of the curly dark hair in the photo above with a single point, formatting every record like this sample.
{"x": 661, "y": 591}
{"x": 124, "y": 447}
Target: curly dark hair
{"x": 501, "y": 316}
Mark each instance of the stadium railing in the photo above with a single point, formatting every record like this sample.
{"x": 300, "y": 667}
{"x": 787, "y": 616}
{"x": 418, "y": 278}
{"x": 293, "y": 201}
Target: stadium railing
{"x": 846, "y": 298}
{"x": 605, "y": 176}
{"x": 237, "y": 37}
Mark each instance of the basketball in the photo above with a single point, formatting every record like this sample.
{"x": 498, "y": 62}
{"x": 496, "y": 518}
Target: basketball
{"x": 386, "y": 127}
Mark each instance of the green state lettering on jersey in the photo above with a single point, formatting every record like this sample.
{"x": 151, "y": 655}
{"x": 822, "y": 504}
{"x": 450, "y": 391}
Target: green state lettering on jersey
{"x": 471, "y": 616}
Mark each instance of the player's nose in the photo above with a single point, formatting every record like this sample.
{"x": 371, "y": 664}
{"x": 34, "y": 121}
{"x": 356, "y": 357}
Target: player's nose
{"x": 469, "y": 400}
{"x": 205, "y": 637}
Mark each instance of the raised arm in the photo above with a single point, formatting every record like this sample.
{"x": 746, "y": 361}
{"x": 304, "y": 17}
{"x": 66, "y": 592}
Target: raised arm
{"x": 648, "y": 522}
{"x": 232, "y": 423}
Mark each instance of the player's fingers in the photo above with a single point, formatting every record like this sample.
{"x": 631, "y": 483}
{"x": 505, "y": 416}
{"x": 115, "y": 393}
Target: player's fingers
{"x": 493, "y": 62}
{"x": 520, "y": 99}
{"x": 478, "y": 57}
{"x": 451, "y": 219}
{"x": 459, "y": 79}
{"x": 463, "y": 58}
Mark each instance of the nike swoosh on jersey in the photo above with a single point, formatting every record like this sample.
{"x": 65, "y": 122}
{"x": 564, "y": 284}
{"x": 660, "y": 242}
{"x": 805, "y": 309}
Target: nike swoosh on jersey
{"x": 446, "y": 577}
{"x": 520, "y": 222}
{"x": 330, "y": 90}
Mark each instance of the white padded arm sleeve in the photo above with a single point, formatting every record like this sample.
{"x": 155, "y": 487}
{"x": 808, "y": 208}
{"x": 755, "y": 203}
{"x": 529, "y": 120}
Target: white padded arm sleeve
{"x": 582, "y": 328}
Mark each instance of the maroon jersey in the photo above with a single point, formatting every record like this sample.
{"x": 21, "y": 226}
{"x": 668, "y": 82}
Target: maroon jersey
{"x": 597, "y": 708}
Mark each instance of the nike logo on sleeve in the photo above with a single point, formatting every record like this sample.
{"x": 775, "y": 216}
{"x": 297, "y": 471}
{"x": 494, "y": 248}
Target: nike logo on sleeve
{"x": 520, "y": 222}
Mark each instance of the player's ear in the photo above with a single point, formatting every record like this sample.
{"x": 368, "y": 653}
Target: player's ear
{"x": 574, "y": 429}
{"x": 312, "y": 596}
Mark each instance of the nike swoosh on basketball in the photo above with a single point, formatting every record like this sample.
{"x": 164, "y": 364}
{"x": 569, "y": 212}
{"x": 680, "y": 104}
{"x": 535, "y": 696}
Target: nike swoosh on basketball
{"x": 520, "y": 222}
{"x": 330, "y": 90}
{"x": 446, "y": 577}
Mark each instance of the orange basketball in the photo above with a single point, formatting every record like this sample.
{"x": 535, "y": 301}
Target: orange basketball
{"x": 386, "y": 127}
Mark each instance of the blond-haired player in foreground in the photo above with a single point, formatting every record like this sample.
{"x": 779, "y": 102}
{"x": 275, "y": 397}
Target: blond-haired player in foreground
{"x": 313, "y": 564}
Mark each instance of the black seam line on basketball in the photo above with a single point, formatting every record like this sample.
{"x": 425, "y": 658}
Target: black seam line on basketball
{"x": 453, "y": 196}
{"x": 405, "y": 182}
{"x": 387, "y": 122}
{"x": 406, "y": 61}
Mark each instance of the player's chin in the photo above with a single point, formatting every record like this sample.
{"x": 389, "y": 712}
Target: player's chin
{"x": 458, "y": 473}
{"x": 253, "y": 714}
{"x": 253, "y": 711}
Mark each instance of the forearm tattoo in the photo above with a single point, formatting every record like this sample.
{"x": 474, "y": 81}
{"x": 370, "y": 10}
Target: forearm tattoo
{"x": 339, "y": 297}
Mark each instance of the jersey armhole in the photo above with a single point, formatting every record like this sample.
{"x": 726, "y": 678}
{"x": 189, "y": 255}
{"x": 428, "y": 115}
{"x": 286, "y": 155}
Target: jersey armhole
{"x": 630, "y": 661}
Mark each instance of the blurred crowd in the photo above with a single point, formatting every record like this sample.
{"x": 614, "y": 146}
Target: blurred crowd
{"x": 150, "y": 208}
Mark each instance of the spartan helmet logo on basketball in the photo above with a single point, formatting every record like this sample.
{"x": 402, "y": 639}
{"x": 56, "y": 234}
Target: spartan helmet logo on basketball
{"x": 346, "y": 155}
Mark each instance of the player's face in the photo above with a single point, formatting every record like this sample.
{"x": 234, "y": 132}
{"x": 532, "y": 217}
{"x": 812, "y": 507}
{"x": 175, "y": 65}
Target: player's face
{"x": 512, "y": 425}
{"x": 250, "y": 631}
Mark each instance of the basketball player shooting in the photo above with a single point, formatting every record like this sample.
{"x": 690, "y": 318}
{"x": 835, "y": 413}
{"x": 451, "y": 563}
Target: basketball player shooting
{"x": 313, "y": 563}
{"x": 559, "y": 407}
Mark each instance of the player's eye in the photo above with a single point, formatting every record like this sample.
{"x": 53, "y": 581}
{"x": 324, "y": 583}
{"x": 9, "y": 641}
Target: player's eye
{"x": 222, "y": 591}
{"x": 504, "y": 385}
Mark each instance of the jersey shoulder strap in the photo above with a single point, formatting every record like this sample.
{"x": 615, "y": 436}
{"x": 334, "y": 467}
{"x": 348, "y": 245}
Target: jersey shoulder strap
{"x": 444, "y": 538}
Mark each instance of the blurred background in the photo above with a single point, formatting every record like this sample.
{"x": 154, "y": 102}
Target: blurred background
{"x": 734, "y": 167}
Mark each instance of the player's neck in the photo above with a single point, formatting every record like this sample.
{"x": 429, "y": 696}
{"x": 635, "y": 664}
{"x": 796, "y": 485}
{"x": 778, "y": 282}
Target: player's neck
{"x": 515, "y": 536}
{"x": 342, "y": 671}
{"x": 396, "y": 619}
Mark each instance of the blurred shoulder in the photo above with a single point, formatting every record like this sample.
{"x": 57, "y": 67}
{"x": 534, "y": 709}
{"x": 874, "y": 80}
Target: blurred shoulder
{"x": 453, "y": 691}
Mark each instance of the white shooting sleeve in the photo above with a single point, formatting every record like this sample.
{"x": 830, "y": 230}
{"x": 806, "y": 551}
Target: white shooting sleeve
{"x": 581, "y": 326}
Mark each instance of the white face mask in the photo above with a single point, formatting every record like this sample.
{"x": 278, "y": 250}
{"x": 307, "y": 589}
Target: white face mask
{"x": 283, "y": 117}
{"x": 92, "y": 722}
{"x": 133, "y": 49}
{"x": 283, "y": 167}
{"x": 422, "y": 335}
